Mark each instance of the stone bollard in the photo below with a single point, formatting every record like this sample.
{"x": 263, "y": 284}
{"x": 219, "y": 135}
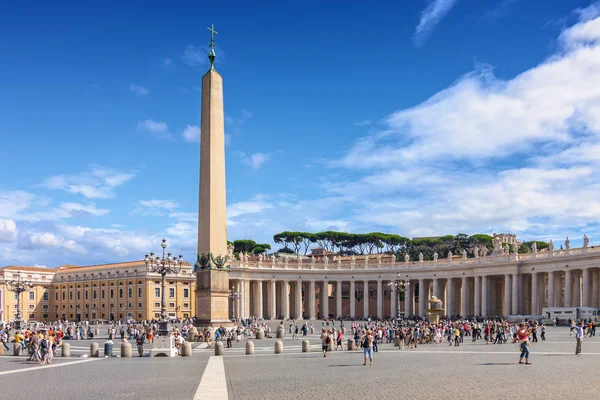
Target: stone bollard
{"x": 233, "y": 337}
{"x": 96, "y": 332}
{"x": 186, "y": 349}
{"x": 94, "y": 352}
{"x": 351, "y": 345}
{"x": 126, "y": 350}
{"x": 396, "y": 342}
{"x": 218, "y": 348}
{"x": 249, "y": 347}
{"x": 2, "y": 350}
{"x": 17, "y": 349}
{"x": 330, "y": 346}
{"x": 278, "y": 347}
{"x": 65, "y": 349}
{"x": 108, "y": 349}
{"x": 305, "y": 346}
{"x": 344, "y": 331}
{"x": 280, "y": 333}
{"x": 312, "y": 330}
{"x": 260, "y": 334}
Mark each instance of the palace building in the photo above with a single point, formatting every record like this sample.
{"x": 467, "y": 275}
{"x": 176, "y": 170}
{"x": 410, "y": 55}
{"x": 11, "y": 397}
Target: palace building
{"x": 97, "y": 292}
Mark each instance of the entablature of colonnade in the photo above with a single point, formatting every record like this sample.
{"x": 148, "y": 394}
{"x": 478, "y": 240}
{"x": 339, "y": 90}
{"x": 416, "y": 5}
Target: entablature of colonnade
{"x": 298, "y": 268}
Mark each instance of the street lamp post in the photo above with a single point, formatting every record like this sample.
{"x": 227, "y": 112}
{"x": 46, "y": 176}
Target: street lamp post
{"x": 398, "y": 286}
{"x": 167, "y": 264}
{"x": 19, "y": 286}
{"x": 234, "y": 296}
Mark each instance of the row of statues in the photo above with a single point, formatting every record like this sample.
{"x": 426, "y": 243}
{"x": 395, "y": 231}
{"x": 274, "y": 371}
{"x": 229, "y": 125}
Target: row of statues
{"x": 478, "y": 251}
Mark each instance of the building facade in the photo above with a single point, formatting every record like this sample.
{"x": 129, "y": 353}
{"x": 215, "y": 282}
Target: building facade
{"x": 106, "y": 292}
{"x": 500, "y": 285}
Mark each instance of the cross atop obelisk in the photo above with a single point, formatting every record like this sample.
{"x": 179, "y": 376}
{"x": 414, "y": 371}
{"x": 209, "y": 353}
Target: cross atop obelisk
{"x": 211, "y": 54}
{"x": 212, "y": 265}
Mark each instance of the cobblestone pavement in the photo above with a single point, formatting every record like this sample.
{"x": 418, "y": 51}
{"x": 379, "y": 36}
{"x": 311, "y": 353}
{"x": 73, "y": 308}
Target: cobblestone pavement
{"x": 471, "y": 371}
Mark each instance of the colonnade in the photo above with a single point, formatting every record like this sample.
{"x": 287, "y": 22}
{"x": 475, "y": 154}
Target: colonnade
{"x": 523, "y": 292}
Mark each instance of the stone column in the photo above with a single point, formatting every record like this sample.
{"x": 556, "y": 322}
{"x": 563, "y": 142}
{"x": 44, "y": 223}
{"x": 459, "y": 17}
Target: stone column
{"x": 408, "y": 301}
{"x": 506, "y": 308}
{"x": 285, "y": 301}
{"x": 379, "y": 299}
{"x": 484, "y": 296}
{"x": 449, "y": 299}
{"x": 259, "y": 299}
{"x": 534, "y": 293}
{"x": 338, "y": 299}
{"x": 477, "y": 296}
{"x": 568, "y": 302}
{"x": 558, "y": 289}
{"x": 325, "y": 299}
{"x": 515, "y": 294}
{"x": 394, "y": 303}
{"x": 586, "y": 299}
{"x": 576, "y": 289}
{"x": 298, "y": 300}
{"x": 366, "y": 298}
{"x": 352, "y": 300}
{"x": 422, "y": 298}
{"x": 595, "y": 288}
{"x": 436, "y": 288}
{"x": 551, "y": 289}
{"x": 464, "y": 311}
{"x": 311, "y": 300}
{"x": 273, "y": 299}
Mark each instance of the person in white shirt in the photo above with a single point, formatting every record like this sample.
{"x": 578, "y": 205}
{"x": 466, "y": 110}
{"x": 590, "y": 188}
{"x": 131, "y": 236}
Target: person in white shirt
{"x": 579, "y": 337}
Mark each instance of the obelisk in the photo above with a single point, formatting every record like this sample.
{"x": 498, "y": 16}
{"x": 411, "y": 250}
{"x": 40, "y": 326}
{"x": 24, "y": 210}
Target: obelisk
{"x": 212, "y": 266}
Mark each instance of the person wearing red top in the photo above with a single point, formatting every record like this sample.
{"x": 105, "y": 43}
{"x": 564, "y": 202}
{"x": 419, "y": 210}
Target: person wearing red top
{"x": 523, "y": 337}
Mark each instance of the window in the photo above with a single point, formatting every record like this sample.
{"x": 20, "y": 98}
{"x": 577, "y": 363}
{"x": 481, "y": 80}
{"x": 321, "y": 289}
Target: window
{"x": 31, "y": 315}
{"x": 120, "y": 293}
{"x": 156, "y": 292}
{"x": 31, "y": 295}
{"x": 95, "y": 294}
{"x": 171, "y": 305}
{"x": 87, "y": 295}
{"x": 103, "y": 294}
{"x": 171, "y": 292}
{"x": 45, "y": 296}
{"x": 139, "y": 305}
{"x": 103, "y": 305}
{"x": 112, "y": 293}
{"x": 63, "y": 296}
{"x": 186, "y": 293}
{"x": 186, "y": 305}
{"x": 31, "y": 306}
{"x": 156, "y": 315}
{"x": 129, "y": 305}
{"x": 45, "y": 306}
{"x": 78, "y": 295}
{"x": 139, "y": 292}
{"x": 156, "y": 305}
{"x": 56, "y": 296}
{"x": 70, "y": 295}
{"x": 130, "y": 292}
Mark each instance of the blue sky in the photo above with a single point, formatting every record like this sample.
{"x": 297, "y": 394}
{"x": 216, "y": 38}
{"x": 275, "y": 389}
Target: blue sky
{"x": 426, "y": 118}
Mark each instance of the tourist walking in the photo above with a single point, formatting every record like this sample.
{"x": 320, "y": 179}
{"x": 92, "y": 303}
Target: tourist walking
{"x": 579, "y": 337}
{"x": 324, "y": 342}
{"x": 368, "y": 347}
{"x": 523, "y": 337}
{"x": 140, "y": 344}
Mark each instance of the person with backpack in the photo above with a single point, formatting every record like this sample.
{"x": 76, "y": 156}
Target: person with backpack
{"x": 324, "y": 342}
{"x": 140, "y": 343}
{"x": 367, "y": 345}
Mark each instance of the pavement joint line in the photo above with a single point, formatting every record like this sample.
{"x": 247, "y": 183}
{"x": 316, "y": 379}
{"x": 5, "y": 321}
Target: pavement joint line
{"x": 213, "y": 384}
{"x": 15, "y": 371}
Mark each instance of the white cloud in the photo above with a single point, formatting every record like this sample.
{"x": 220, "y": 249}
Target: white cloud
{"x": 155, "y": 207}
{"x": 13, "y": 203}
{"x": 139, "y": 90}
{"x": 253, "y": 206}
{"x": 158, "y": 129}
{"x": 8, "y": 230}
{"x": 363, "y": 123}
{"x": 48, "y": 240}
{"x": 185, "y": 216}
{"x": 431, "y": 17}
{"x": 195, "y": 56}
{"x": 191, "y": 133}
{"x": 255, "y": 160}
{"x": 99, "y": 183}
